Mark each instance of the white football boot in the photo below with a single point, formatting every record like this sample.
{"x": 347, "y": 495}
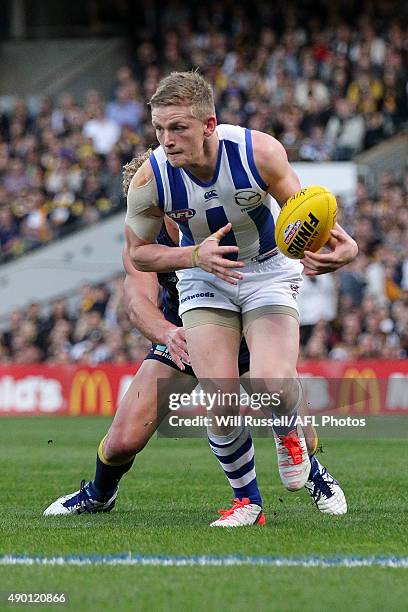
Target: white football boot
{"x": 242, "y": 513}
{"x": 293, "y": 459}
{"x": 325, "y": 491}
{"x": 79, "y": 502}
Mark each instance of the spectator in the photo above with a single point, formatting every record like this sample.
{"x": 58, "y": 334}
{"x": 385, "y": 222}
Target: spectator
{"x": 317, "y": 301}
{"x": 16, "y": 177}
{"x": 310, "y": 87}
{"x": 376, "y": 129}
{"x": 365, "y": 92}
{"x": 353, "y": 282}
{"x": 58, "y": 312}
{"x": 35, "y": 227}
{"x": 113, "y": 179}
{"x": 316, "y": 147}
{"x": 63, "y": 114}
{"x": 103, "y": 132}
{"x": 345, "y": 131}
{"x": 127, "y": 109}
{"x": 10, "y": 237}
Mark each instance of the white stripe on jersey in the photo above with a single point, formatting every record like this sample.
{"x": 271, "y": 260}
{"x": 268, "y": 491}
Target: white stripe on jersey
{"x": 236, "y": 194}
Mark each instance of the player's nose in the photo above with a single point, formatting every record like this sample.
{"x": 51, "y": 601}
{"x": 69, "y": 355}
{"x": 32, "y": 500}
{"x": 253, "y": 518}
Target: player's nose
{"x": 168, "y": 140}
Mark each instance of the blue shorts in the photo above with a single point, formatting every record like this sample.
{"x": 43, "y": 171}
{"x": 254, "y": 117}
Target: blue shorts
{"x": 159, "y": 352}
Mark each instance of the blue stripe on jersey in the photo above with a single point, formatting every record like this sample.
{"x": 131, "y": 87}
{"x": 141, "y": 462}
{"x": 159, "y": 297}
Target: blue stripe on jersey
{"x": 264, "y": 221}
{"x": 216, "y": 218}
{"x": 216, "y": 173}
{"x": 251, "y": 161}
{"x": 164, "y": 237}
{"x": 179, "y": 201}
{"x": 187, "y": 237}
{"x": 159, "y": 181}
{"x": 239, "y": 176}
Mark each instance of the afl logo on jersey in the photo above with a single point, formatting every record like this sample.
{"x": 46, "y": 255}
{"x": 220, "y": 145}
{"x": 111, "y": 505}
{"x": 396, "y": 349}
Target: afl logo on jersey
{"x": 181, "y": 215}
{"x": 247, "y": 198}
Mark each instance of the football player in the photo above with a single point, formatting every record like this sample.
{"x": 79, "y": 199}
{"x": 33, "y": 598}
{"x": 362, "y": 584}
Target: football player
{"x": 141, "y": 409}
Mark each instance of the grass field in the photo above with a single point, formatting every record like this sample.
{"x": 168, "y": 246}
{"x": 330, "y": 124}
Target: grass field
{"x": 164, "y": 508}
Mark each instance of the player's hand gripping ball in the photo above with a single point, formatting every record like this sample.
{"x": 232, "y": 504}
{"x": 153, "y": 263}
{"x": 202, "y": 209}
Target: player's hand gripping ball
{"x": 305, "y": 221}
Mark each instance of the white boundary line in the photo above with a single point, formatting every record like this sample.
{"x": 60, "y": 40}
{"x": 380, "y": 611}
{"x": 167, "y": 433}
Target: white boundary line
{"x": 134, "y": 559}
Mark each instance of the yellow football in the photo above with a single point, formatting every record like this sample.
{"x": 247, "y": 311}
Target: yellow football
{"x": 305, "y": 221}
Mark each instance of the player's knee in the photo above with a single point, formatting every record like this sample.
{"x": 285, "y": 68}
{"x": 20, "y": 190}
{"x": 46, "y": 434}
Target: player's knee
{"x": 274, "y": 380}
{"x": 283, "y": 388}
{"x": 120, "y": 446}
{"x": 264, "y": 368}
{"x": 288, "y": 395}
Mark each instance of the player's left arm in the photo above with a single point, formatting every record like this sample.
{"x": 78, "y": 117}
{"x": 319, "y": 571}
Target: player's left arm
{"x": 272, "y": 163}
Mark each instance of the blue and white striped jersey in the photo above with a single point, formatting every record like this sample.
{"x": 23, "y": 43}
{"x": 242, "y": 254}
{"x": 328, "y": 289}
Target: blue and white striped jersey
{"x": 236, "y": 194}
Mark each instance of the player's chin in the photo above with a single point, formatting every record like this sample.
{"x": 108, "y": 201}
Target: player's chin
{"x": 176, "y": 160}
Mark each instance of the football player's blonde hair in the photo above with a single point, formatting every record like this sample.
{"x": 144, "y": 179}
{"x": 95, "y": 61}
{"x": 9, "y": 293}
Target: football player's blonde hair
{"x": 130, "y": 169}
{"x": 189, "y": 88}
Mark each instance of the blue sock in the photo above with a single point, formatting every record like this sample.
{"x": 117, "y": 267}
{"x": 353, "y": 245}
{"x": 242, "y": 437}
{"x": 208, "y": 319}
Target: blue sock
{"x": 236, "y": 455}
{"x": 107, "y": 478}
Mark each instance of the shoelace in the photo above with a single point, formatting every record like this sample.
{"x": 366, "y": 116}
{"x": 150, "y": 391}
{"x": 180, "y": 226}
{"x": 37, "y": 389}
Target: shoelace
{"x": 82, "y": 498}
{"x": 238, "y": 503}
{"x": 293, "y": 446}
{"x": 321, "y": 486}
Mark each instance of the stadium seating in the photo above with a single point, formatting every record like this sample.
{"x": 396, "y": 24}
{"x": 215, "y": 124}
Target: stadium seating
{"x": 326, "y": 90}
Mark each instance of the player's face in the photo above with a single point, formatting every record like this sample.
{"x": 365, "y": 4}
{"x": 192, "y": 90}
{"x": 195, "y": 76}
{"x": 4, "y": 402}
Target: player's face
{"x": 181, "y": 134}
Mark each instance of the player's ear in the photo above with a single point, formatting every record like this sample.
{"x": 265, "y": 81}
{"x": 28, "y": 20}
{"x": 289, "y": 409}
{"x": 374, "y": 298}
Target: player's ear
{"x": 209, "y": 126}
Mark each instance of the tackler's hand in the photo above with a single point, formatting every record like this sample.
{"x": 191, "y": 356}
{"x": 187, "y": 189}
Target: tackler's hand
{"x": 209, "y": 256}
{"x": 177, "y": 346}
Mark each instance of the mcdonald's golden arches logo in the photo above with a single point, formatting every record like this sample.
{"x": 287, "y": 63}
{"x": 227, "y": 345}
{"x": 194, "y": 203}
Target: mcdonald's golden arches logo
{"x": 91, "y": 393}
{"x": 360, "y": 391}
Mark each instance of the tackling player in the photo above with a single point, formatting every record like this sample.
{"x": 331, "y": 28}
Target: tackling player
{"x": 137, "y": 416}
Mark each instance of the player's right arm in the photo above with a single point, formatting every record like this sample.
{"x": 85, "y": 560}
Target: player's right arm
{"x": 141, "y": 295}
{"x": 143, "y": 221}
{"x": 142, "y": 225}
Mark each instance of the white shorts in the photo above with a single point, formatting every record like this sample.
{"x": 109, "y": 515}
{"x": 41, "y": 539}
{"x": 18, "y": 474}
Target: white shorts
{"x": 276, "y": 281}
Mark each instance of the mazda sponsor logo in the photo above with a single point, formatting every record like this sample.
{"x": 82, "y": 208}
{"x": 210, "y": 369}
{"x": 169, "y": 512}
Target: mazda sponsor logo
{"x": 247, "y": 198}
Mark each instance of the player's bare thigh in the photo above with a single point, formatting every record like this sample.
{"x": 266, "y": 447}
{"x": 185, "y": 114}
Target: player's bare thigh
{"x": 213, "y": 351}
{"x": 273, "y": 342}
{"x": 213, "y": 337}
{"x": 141, "y": 410}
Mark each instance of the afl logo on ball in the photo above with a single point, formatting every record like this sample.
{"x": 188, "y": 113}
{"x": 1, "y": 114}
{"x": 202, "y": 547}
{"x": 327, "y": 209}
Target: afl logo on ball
{"x": 247, "y": 198}
{"x": 291, "y": 230}
{"x": 181, "y": 215}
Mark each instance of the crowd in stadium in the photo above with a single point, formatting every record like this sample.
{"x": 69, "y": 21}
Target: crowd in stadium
{"x": 326, "y": 93}
{"x": 360, "y": 312}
